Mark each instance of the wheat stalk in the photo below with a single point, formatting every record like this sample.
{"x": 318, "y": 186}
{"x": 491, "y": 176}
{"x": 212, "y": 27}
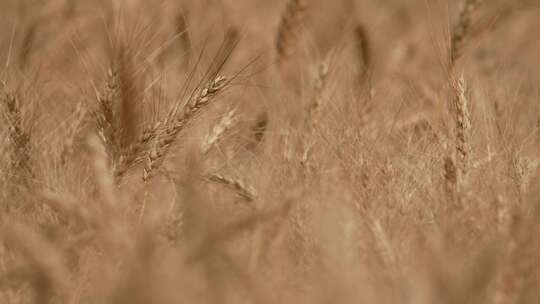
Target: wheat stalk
{"x": 289, "y": 29}
{"x": 178, "y": 121}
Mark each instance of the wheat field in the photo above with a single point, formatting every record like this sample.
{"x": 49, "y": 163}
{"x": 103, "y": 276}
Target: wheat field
{"x": 257, "y": 151}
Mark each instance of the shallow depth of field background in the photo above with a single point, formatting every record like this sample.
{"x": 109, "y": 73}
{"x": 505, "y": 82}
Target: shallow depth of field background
{"x": 356, "y": 152}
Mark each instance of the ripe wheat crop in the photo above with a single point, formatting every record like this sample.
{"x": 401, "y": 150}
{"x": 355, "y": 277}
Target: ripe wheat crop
{"x": 254, "y": 151}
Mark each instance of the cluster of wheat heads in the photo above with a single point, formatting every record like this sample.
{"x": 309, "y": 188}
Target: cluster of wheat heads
{"x": 171, "y": 159}
{"x": 18, "y": 133}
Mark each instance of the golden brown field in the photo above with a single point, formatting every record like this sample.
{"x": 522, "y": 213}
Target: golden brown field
{"x": 258, "y": 151}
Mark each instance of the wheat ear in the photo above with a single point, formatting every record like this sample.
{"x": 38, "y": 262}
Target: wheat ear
{"x": 105, "y": 115}
{"x": 18, "y": 135}
{"x": 318, "y": 91}
{"x": 242, "y": 190}
{"x": 177, "y": 121}
{"x": 289, "y": 29}
{"x": 463, "y": 126}
{"x": 116, "y": 117}
{"x": 224, "y": 124}
{"x": 461, "y": 29}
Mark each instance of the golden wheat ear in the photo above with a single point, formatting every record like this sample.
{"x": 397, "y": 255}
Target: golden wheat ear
{"x": 117, "y": 115}
{"x": 177, "y": 120}
{"x": 212, "y": 139}
{"x": 463, "y": 126}
{"x": 239, "y": 187}
{"x": 19, "y": 134}
{"x": 321, "y": 78}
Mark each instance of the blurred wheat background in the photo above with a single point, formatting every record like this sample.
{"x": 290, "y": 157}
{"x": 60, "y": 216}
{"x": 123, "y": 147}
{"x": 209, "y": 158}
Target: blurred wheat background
{"x": 253, "y": 151}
